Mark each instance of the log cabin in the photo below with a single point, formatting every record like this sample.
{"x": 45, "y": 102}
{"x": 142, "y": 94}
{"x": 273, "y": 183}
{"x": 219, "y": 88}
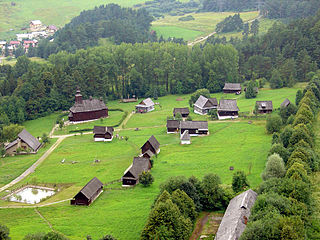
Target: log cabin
{"x": 183, "y": 111}
{"x": 228, "y": 108}
{"x": 236, "y": 216}
{"x": 285, "y": 103}
{"x": 84, "y": 110}
{"x": 194, "y": 128}
{"x": 173, "y": 126}
{"x": 131, "y": 175}
{"x": 203, "y": 105}
{"x": 152, "y": 144}
{"x": 264, "y": 107}
{"x": 147, "y": 105}
{"x": 25, "y": 143}
{"x": 232, "y": 88}
{"x": 88, "y": 193}
{"x": 102, "y": 134}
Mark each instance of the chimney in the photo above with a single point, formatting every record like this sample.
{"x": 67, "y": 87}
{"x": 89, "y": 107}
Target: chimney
{"x": 79, "y": 97}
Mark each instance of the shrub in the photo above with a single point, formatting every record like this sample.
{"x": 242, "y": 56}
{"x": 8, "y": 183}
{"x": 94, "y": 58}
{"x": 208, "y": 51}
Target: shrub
{"x": 194, "y": 97}
{"x": 178, "y": 116}
{"x": 280, "y": 150}
{"x": 212, "y": 193}
{"x": 239, "y": 181}
{"x": 276, "y": 138}
{"x": 274, "y": 123}
{"x": 213, "y": 114}
{"x": 108, "y": 237}
{"x": 297, "y": 172}
{"x": 4, "y": 232}
{"x": 146, "y": 179}
{"x": 286, "y": 135}
{"x": 274, "y": 168}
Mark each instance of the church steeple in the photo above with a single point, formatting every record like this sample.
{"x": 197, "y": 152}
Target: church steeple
{"x": 79, "y": 97}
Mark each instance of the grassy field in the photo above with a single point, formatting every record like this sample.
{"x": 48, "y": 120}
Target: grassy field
{"x": 57, "y": 12}
{"x": 123, "y": 213}
{"x": 12, "y": 61}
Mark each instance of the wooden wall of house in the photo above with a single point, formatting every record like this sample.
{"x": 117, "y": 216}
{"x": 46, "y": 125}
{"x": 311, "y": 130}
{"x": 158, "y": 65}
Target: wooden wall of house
{"x": 129, "y": 181}
{"x": 84, "y": 116}
{"x": 147, "y": 147}
{"x": 227, "y": 113}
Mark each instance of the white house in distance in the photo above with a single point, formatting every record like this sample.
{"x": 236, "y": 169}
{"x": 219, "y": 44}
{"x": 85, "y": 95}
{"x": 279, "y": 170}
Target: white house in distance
{"x": 185, "y": 137}
{"x": 35, "y": 25}
{"x": 147, "y": 105}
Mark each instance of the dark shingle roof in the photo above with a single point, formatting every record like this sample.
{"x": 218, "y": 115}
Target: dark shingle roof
{"x": 232, "y": 86}
{"x": 154, "y": 143}
{"x": 102, "y": 130}
{"x": 91, "y": 188}
{"x": 181, "y": 110}
{"x": 11, "y": 144}
{"x": 285, "y": 103}
{"x": 139, "y": 165}
{"x": 194, "y": 125}
{"x": 88, "y": 106}
{"x": 29, "y": 139}
{"x": 236, "y": 215}
{"x": 173, "y": 124}
{"x": 185, "y": 136}
{"x": 228, "y": 105}
{"x": 264, "y": 105}
{"x": 203, "y": 102}
{"x": 146, "y": 103}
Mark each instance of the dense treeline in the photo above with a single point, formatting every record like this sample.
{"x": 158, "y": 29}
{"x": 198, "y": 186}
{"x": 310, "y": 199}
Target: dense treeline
{"x": 109, "y": 21}
{"x": 285, "y": 206}
{"x": 30, "y": 89}
{"x": 230, "y": 24}
{"x": 229, "y": 5}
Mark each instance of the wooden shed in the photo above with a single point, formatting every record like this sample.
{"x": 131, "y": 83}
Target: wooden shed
{"x": 232, "y": 88}
{"x": 285, "y": 103}
{"x": 88, "y": 193}
{"x": 185, "y": 137}
{"x": 152, "y": 144}
{"x": 147, "y": 105}
{"x": 131, "y": 175}
{"x": 173, "y": 126}
{"x": 203, "y": 105}
{"x": 228, "y": 108}
{"x": 183, "y": 111}
{"x": 25, "y": 142}
{"x": 84, "y": 110}
{"x": 194, "y": 128}
{"x": 264, "y": 107}
{"x": 102, "y": 133}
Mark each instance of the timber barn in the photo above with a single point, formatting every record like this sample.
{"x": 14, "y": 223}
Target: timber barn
{"x": 183, "y": 111}
{"x": 102, "y": 134}
{"x": 25, "y": 143}
{"x": 147, "y": 105}
{"x": 285, "y": 103}
{"x": 264, "y": 107}
{"x": 232, "y": 88}
{"x": 203, "y": 105}
{"x": 84, "y": 110}
{"x": 173, "y": 126}
{"x": 194, "y": 128}
{"x": 236, "y": 216}
{"x": 228, "y": 108}
{"x": 88, "y": 193}
{"x": 152, "y": 144}
{"x": 131, "y": 175}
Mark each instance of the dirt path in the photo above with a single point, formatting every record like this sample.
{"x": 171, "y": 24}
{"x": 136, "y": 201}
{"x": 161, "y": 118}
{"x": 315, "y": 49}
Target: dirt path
{"x": 44, "y": 219}
{"x": 33, "y": 166}
{"x": 201, "y": 39}
{"x": 199, "y": 226}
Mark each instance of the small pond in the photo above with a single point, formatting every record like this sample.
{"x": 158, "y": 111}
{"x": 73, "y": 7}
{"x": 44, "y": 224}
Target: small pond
{"x": 31, "y": 195}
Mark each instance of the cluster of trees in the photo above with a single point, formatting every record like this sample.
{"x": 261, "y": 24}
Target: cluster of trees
{"x": 4, "y": 235}
{"x": 109, "y": 21}
{"x": 228, "y": 5}
{"x": 285, "y": 208}
{"x": 230, "y": 24}
{"x": 174, "y": 211}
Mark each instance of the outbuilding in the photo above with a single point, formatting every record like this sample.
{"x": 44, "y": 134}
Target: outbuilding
{"x": 228, "y": 108}
{"x": 264, "y": 107}
{"x": 152, "y": 144}
{"x": 185, "y": 137}
{"x": 173, "y": 126}
{"x": 147, "y": 105}
{"x": 183, "y": 111}
{"x": 203, "y": 105}
{"x": 131, "y": 175}
{"x": 232, "y": 88}
{"x": 285, "y": 103}
{"x": 88, "y": 193}
{"x": 236, "y": 217}
{"x": 84, "y": 110}
{"x": 25, "y": 143}
{"x": 103, "y": 134}
{"x": 194, "y": 128}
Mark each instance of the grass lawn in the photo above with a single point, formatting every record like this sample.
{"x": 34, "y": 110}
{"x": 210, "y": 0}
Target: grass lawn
{"x": 12, "y": 61}
{"x": 177, "y": 32}
{"x": 58, "y": 12}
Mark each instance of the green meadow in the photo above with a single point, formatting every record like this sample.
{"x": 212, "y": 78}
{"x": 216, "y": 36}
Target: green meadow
{"x": 123, "y": 212}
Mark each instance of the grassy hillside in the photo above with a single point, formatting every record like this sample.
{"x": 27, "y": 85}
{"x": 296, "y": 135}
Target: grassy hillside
{"x": 58, "y": 12}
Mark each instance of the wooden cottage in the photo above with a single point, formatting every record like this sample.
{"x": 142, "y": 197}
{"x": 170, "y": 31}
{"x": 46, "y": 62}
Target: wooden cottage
{"x": 90, "y": 109}
{"x": 88, "y": 193}
{"x": 173, "y": 126}
{"x": 285, "y": 103}
{"x": 131, "y": 175}
{"x": 194, "y": 128}
{"x": 152, "y": 144}
{"x": 147, "y": 105}
{"x": 203, "y": 105}
{"x": 183, "y": 111}
{"x": 236, "y": 216}
{"x": 264, "y": 107}
{"x": 102, "y": 134}
{"x": 147, "y": 154}
{"x": 185, "y": 137}
{"x": 25, "y": 143}
{"x": 232, "y": 88}
{"x": 228, "y": 109}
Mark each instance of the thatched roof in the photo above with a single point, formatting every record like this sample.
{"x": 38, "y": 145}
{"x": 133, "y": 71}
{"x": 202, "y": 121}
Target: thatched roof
{"x": 91, "y": 188}
{"x": 173, "y": 124}
{"x": 236, "y": 216}
{"x": 264, "y": 105}
{"x": 153, "y": 142}
{"x": 181, "y": 110}
{"x": 203, "y": 102}
{"x": 285, "y": 103}
{"x": 232, "y": 86}
{"x": 228, "y": 105}
{"x": 203, "y": 125}
{"x": 139, "y": 165}
{"x": 88, "y": 105}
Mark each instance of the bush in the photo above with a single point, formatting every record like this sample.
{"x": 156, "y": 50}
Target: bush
{"x": 274, "y": 123}
{"x": 274, "y": 168}
{"x": 213, "y": 113}
{"x": 4, "y": 232}
{"x": 194, "y": 97}
{"x": 239, "y": 181}
{"x": 108, "y": 237}
{"x": 280, "y": 150}
{"x": 251, "y": 90}
{"x": 212, "y": 193}
{"x": 146, "y": 179}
